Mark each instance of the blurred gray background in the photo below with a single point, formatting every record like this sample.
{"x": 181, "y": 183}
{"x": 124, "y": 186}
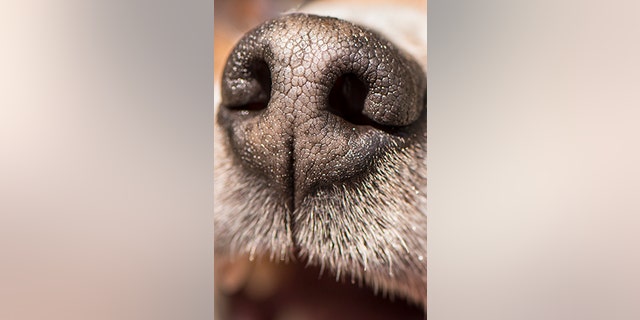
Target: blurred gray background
{"x": 106, "y": 159}
{"x": 534, "y": 182}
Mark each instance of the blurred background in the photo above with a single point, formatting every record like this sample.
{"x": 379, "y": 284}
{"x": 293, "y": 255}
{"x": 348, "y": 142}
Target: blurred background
{"x": 534, "y": 146}
{"x": 105, "y": 159}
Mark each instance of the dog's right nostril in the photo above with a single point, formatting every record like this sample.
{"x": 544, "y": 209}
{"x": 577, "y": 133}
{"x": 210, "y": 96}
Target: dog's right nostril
{"x": 254, "y": 92}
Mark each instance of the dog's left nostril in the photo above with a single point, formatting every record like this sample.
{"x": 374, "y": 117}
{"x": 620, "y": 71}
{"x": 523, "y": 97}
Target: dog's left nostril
{"x": 346, "y": 99}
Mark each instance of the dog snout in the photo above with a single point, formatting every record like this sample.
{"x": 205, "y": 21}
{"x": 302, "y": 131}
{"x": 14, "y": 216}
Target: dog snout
{"x": 312, "y": 101}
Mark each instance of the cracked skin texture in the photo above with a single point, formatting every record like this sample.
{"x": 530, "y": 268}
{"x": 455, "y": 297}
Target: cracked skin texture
{"x": 289, "y": 65}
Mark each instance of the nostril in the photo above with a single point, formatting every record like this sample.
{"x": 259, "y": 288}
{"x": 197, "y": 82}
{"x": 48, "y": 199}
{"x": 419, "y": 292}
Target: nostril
{"x": 346, "y": 99}
{"x": 257, "y": 92}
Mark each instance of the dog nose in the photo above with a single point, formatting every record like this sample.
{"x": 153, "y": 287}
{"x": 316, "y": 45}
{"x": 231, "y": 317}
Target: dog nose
{"x": 311, "y": 102}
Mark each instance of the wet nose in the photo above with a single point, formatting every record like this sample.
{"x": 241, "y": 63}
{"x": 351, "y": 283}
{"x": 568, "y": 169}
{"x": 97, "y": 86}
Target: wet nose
{"x": 311, "y": 102}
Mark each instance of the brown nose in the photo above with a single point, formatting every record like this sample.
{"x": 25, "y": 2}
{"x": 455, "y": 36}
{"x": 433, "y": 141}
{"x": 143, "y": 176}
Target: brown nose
{"x": 310, "y": 102}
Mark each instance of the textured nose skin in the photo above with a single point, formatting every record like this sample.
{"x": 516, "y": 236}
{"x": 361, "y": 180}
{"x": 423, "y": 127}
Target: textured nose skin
{"x": 312, "y": 101}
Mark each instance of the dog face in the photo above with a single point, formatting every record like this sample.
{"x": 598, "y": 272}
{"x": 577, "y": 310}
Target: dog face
{"x": 320, "y": 150}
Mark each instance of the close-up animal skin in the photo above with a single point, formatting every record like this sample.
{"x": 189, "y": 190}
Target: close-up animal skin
{"x": 320, "y": 168}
